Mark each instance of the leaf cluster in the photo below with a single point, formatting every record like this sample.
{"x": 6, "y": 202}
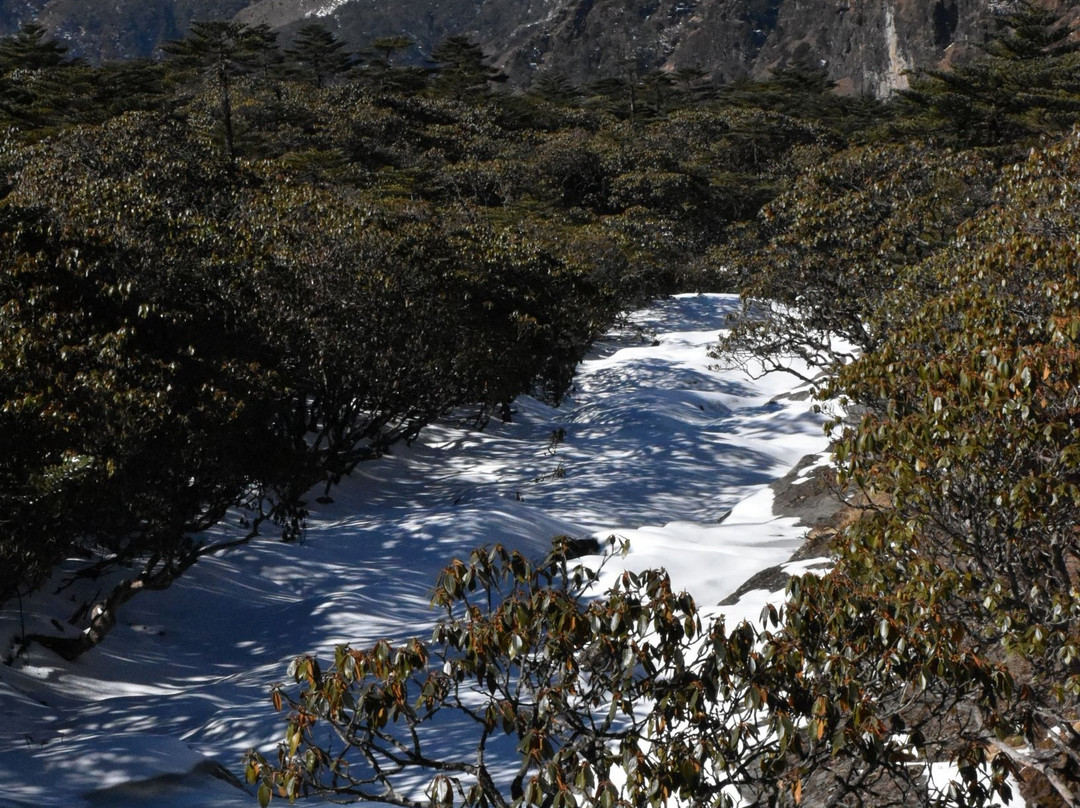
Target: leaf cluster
{"x": 968, "y": 443}
{"x": 610, "y": 698}
{"x": 933, "y": 292}
{"x": 948, "y": 629}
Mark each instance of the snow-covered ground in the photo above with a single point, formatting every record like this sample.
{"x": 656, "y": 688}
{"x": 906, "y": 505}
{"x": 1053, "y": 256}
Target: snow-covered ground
{"x": 657, "y": 449}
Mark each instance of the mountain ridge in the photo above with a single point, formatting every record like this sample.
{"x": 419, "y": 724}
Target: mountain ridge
{"x": 865, "y": 46}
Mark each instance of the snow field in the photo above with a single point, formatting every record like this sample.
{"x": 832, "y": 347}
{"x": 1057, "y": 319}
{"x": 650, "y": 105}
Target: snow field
{"x": 657, "y": 446}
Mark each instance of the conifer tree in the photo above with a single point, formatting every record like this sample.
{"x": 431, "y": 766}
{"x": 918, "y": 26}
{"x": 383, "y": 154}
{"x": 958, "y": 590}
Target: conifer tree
{"x": 222, "y": 50}
{"x": 39, "y": 86}
{"x": 1026, "y": 82}
{"x": 29, "y": 49}
{"x": 389, "y": 45}
{"x": 554, "y": 87}
{"x": 319, "y": 54}
{"x": 462, "y": 68}
{"x": 389, "y": 76}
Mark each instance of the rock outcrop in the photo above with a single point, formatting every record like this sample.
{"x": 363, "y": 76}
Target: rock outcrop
{"x": 865, "y": 45}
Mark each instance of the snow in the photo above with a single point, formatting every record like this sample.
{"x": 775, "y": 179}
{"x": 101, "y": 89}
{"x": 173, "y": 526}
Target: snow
{"x": 326, "y": 9}
{"x": 942, "y": 774}
{"x": 658, "y": 448}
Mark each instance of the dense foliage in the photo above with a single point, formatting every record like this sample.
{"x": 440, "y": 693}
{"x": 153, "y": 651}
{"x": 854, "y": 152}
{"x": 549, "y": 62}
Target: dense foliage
{"x": 242, "y": 270}
{"x": 237, "y": 273}
{"x": 927, "y": 270}
{"x": 969, "y": 444}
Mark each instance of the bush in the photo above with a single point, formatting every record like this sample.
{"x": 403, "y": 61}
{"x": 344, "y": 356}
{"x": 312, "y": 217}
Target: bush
{"x": 968, "y": 445}
{"x": 817, "y": 268}
{"x": 610, "y": 699}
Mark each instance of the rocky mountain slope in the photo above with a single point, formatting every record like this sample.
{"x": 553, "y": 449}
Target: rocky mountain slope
{"x": 866, "y": 45}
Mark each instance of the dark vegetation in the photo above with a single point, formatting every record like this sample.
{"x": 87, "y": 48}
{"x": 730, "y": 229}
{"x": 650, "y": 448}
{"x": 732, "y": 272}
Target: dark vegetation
{"x": 239, "y": 272}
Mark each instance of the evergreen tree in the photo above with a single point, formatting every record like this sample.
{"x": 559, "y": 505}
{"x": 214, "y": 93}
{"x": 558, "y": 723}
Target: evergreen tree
{"x": 657, "y": 92}
{"x": 694, "y": 85}
{"x": 462, "y": 68}
{"x": 39, "y": 86}
{"x": 387, "y": 76}
{"x": 319, "y": 54}
{"x": 805, "y": 93}
{"x": 554, "y": 87}
{"x": 389, "y": 45}
{"x": 131, "y": 84}
{"x": 1026, "y": 82}
{"x": 220, "y": 51}
{"x": 30, "y": 49}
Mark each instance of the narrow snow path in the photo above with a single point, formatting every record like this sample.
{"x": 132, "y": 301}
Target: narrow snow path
{"x": 652, "y": 445}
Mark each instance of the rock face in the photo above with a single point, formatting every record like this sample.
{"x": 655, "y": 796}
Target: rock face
{"x": 866, "y": 45}
{"x": 115, "y": 29}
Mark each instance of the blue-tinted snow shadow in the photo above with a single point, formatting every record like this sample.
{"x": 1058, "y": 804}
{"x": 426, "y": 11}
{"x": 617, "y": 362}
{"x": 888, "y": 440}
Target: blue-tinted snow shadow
{"x": 645, "y": 440}
{"x": 702, "y": 313}
{"x": 688, "y": 313}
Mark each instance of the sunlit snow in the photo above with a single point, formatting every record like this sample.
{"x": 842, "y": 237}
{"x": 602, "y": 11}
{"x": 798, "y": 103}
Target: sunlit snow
{"x": 326, "y": 9}
{"x": 658, "y": 447}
